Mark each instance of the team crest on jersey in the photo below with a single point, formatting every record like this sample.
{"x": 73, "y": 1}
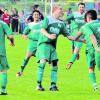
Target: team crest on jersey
{"x": 59, "y": 25}
{"x": 54, "y": 30}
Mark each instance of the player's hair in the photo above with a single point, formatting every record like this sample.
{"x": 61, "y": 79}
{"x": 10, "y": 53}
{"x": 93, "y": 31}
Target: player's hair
{"x": 92, "y": 14}
{"x": 36, "y": 11}
{"x": 55, "y": 6}
{"x": 81, "y": 3}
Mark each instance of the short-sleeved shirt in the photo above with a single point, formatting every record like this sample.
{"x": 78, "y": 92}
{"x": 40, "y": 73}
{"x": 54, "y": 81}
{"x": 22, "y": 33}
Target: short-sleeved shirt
{"x": 52, "y": 26}
{"x": 4, "y": 30}
{"x": 33, "y": 30}
{"x": 91, "y": 28}
{"x": 77, "y": 20}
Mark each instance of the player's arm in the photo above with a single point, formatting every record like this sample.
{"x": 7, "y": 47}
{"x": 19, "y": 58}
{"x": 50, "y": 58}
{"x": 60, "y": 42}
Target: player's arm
{"x": 50, "y": 36}
{"x": 78, "y": 34}
{"x": 43, "y": 29}
{"x": 94, "y": 42}
{"x": 26, "y": 32}
{"x": 65, "y": 33}
{"x": 9, "y": 34}
{"x": 10, "y": 37}
{"x": 76, "y": 38}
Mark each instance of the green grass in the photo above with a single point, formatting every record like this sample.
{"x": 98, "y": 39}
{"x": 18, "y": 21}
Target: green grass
{"x": 73, "y": 84}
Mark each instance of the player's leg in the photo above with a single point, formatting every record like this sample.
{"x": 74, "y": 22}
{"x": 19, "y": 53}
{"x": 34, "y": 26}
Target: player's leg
{"x": 3, "y": 74}
{"x": 92, "y": 78}
{"x": 30, "y": 52}
{"x": 54, "y": 70}
{"x": 3, "y": 82}
{"x": 25, "y": 62}
{"x": 75, "y": 53}
{"x": 90, "y": 55}
{"x": 97, "y": 59}
{"x": 42, "y": 54}
{"x": 72, "y": 46}
{"x": 40, "y": 73}
{"x": 77, "y": 48}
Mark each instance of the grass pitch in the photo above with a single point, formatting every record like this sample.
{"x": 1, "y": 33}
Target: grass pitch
{"x": 73, "y": 84}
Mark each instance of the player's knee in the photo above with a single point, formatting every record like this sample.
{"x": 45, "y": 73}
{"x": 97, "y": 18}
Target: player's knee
{"x": 3, "y": 71}
{"x": 43, "y": 61}
{"x": 76, "y": 50}
{"x": 28, "y": 55}
{"x": 54, "y": 63}
{"x": 91, "y": 69}
{"x": 42, "y": 65}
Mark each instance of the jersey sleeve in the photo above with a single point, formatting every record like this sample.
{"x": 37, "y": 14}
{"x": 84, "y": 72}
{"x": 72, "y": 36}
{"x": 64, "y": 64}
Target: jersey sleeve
{"x": 26, "y": 30}
{"x": 7, "y": 29}
{"x": 86, "y": 30}
{"x": 64, "y": 31}
{"x": 45, "y": 23}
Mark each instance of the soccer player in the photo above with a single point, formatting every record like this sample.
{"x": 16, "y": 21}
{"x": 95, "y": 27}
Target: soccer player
{"x": 91, "y": 32}
{"x": 77, "y": 20}
{"x": 32, "y": 31}
{"x": 52, "y": 27}
{"x": 30, "y": 18}
{"x": 4, "y": 30}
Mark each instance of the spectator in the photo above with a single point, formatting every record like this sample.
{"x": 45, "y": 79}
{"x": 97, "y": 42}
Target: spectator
{"x": 6, "y": 17}
{"x": 14, "y": 20}
{"x": 30, "y": 18}
{"x": 21, "y": 22}
{"x": 1, "y": 12}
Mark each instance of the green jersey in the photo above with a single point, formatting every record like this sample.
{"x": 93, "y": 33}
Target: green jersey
{"x": 77, "y": 20}
{"x": 91, "y": 28}
{"x": 52, "y": 26}
{"x": 33, "y": 30}
{"x": 4, "y": 30}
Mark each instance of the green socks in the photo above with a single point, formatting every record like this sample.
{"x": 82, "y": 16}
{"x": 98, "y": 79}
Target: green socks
{"x": 92, "y": 78}
{"x": 40, "y": 72}
{"x": 3, "y": 82}
{"x": 54, "y": 70}
{"x": 24, "y": 64}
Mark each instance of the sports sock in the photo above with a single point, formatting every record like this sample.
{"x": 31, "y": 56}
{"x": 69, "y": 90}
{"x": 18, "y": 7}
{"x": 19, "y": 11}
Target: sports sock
{"x": 54, "y": 70}
{"x": 3, "y": 82}
{"x": 92, "y": 78}
{"x": 40, "y": 72}
{"x": 25, "y": 61}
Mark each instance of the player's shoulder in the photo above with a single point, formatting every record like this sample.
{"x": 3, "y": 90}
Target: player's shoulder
{"x": 31, "y": 24}
{"x": 91, "y": 23}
